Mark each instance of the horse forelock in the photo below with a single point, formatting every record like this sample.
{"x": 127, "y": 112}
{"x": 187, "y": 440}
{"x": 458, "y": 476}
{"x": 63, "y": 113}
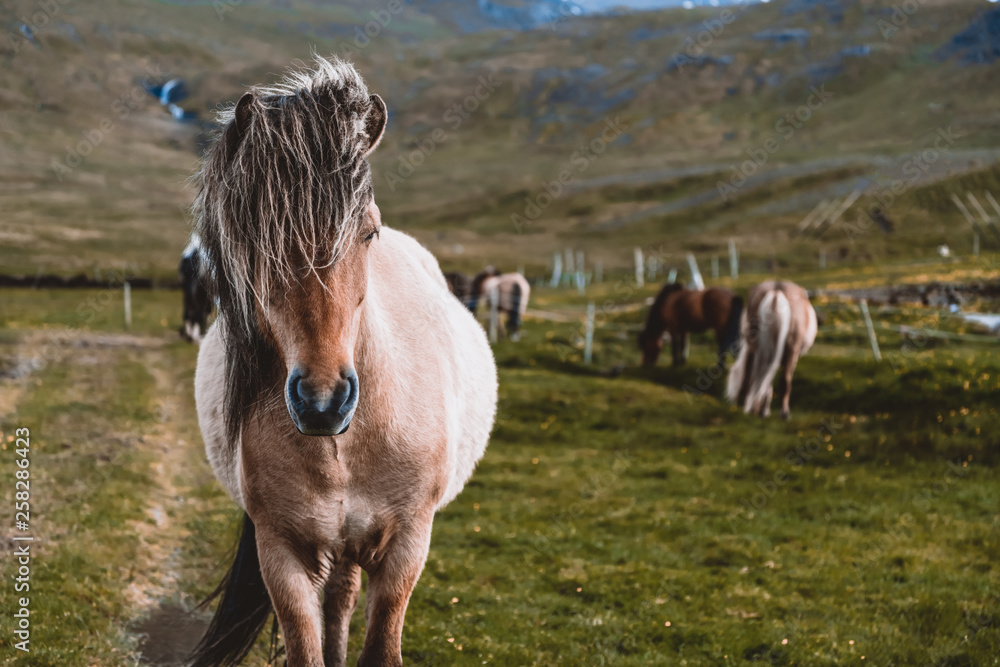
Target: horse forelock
{"x": 290, "y": 193}
{"x": 282, "y": 194}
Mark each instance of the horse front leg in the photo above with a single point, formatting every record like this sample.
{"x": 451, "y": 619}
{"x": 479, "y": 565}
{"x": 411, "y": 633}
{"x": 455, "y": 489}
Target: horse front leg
{"x": 390, "y": 584}
{"x": 294, "y": 591}
{"x": 342, "y": 591}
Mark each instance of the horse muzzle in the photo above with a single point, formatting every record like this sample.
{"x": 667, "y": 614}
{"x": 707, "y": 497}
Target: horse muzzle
{"x": 321, "y": 410}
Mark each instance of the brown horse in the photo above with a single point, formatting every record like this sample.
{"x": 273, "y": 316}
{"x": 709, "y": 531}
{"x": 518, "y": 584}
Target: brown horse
{"x": 681, "y": 311}
{"x": 342, "y": 397}
{"x": 778, "y": 327}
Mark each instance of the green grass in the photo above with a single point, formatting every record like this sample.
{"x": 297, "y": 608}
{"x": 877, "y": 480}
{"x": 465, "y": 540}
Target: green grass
{"x": 604, "y": 509}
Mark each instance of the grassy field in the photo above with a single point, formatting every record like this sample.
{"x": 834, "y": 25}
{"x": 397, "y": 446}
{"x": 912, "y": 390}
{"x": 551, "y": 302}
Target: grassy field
{"x": 624, "y": 521}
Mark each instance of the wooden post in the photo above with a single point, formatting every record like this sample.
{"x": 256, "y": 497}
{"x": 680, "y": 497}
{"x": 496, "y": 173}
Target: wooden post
{"x": 128, "y": 305}
{"x": 581, "y": 278}
{"x": 871, "y": 329}
{"x": 568, "y": 262}
{"x": 734, "y": 260}
{"x": 588, "y": 341}
{"x": 982, "y": 214}
{"x": 599, "y": 272}
{"x": 975, "y": 244}
{"x": 556, "y": 270}
{"x": 808, "y": 221}
{"x": 672, "y": 277}
{"x": 839, "y": 211}
{"x": 695, "y": 273}
{"x": 715, "y": 267}
{"x": 494, "y": 313}
{"x": 965, "y": 212}
{"x": 822, "y": 260}
{"x": 638, "y": 267}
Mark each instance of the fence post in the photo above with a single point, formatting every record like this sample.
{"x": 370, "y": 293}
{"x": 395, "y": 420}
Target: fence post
{"x": 128, "y": 305}
{"x": 695, "y": 273}
{"x": 588, "y": 341}
{"x": 734, "y": 260}
{"x": 975, "y": 244}
{"x": 715, "y": 267}
{"x": 599, "y": 272}
{"x": 672, "y": 277}
{"x": 494, "y": 313}
{"x": 556, "y": 270}
{"x": 822, "y": 260}
{"x": 638, "y": 267}
{"x": 871, "y": 329}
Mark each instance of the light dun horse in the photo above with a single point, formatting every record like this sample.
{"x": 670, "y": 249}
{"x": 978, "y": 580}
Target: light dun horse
{"x": 511, "y": 291}
{"x": 341, "y": 400}
{"x": 197, "y": 299}
{"x": 681, "y": 311}
{"x": 778, "y": 327}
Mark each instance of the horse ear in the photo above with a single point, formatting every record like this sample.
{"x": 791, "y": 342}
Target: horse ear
{"x": 242, "y": 118}
{"x": 375, "y": 123}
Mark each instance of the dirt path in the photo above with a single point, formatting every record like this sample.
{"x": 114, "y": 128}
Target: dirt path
{"x": 169, "y": 631}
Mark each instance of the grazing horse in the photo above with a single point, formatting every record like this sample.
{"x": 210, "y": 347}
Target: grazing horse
{"x": 460, "y": 285}
{"x": 681, "y": 311}
{"x": 341, "y": 400}
{"x": 511, "y": 291}
{"x": 778, "y": 327}
{"x": 197, "y": 299}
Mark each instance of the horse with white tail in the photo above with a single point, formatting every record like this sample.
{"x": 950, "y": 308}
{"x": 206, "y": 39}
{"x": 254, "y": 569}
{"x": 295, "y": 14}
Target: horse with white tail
{"x": 342, "y": 400}
{"x": 778, "y": 326}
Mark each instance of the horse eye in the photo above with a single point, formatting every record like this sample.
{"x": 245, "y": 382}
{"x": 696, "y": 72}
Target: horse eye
{"x": 371, "y": 236}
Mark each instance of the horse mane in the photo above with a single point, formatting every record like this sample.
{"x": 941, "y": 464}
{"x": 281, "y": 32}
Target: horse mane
{"x": 285, "y": 186}
{"x": 654, "y": 318}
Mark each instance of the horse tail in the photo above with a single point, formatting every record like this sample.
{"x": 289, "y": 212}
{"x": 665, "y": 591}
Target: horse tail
{"x": 243, "y": 610}
{"x": 731, "y": 332}
{"x": 774, "y": 320}
{"x": 514, "y": 321}
{"x": 737, "y": 373}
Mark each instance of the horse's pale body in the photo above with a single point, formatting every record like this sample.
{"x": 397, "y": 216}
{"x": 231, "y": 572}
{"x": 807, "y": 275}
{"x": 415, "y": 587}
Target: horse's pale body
{"x": 428, "y": 393}
{"x": 778, "y": 326}
{"x": 402, "y": 371}
{"x": 503, "y": 287}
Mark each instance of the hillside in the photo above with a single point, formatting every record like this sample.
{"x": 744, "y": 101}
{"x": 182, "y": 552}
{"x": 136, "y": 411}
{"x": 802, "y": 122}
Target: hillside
{"x": 687, "y": 98}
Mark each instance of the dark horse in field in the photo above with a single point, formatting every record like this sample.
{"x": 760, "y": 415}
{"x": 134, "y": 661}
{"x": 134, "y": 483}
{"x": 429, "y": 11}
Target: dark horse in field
{"x": 680, "y": 311}
{"x": 460, "y": 285}
{"x": 197, "y": 298}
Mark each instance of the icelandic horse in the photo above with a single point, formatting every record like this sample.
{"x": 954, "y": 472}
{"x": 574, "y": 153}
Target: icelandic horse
{"x": 511, "y": 291}
{"x": 197, "y": 298}
{"x": 681, "y": 311}
{"x": 778, "y": 327}
{"x": 342, "y": 398}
